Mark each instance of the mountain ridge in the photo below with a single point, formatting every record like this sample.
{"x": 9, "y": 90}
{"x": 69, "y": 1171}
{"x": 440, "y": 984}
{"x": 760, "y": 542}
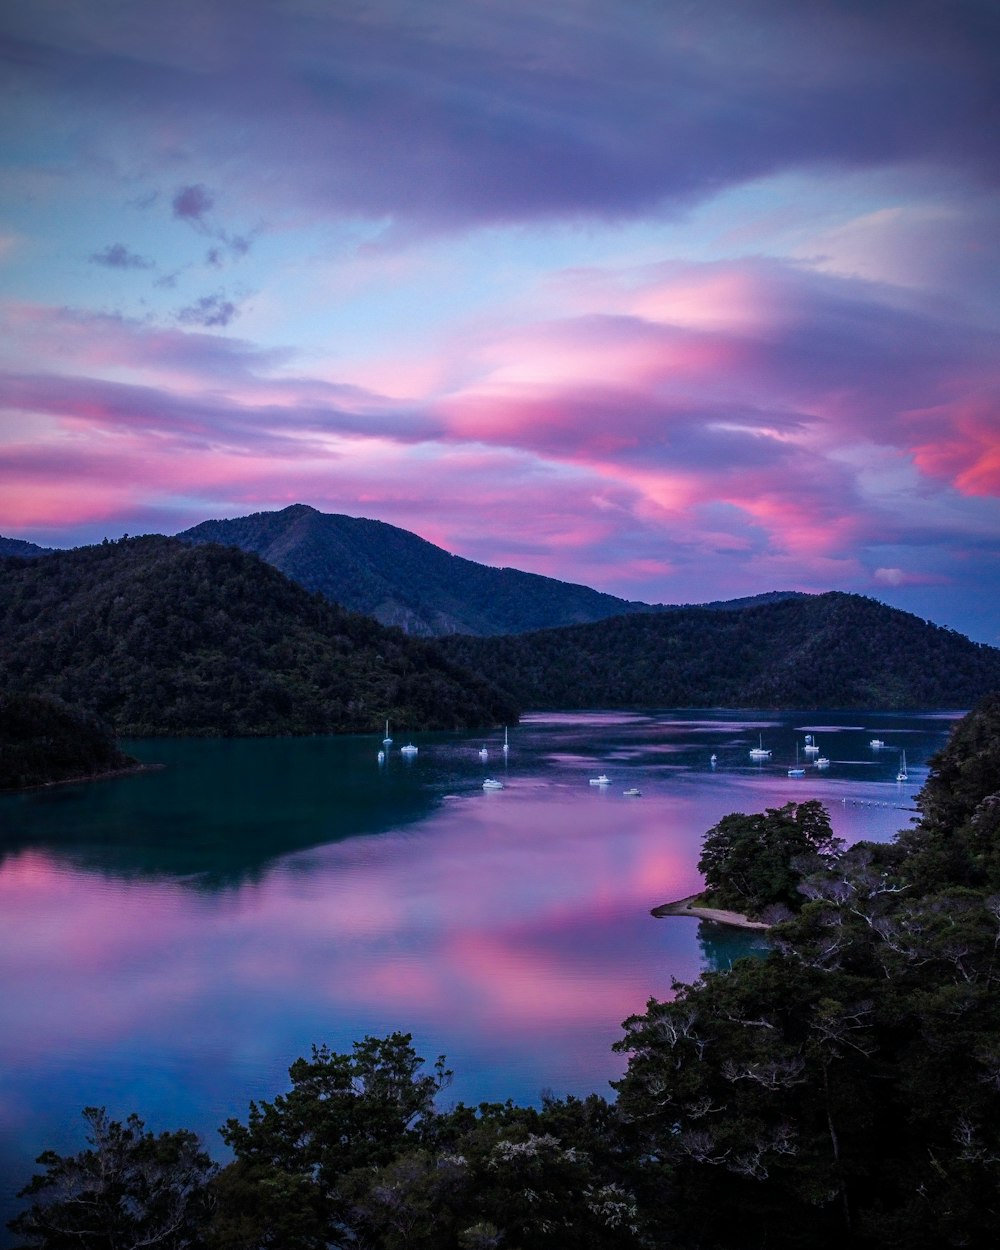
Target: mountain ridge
{"x": 835, "y": 650}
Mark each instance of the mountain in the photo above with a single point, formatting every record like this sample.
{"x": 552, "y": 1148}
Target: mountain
{"x": 400, "y": 579}
{"x": 24, "y": 551}
{"x": 388, "y": 573}
{"x": 831, "y": 650}
{"x": 156, "y": 636}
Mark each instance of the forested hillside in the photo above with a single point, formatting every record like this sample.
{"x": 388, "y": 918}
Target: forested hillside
{"x": 42, "y": 740}
{"x": 400, "y": 579}
{"x": 159, "y": 637}
{"x": 17, "y": 547}
{"x": 832, "y": 650}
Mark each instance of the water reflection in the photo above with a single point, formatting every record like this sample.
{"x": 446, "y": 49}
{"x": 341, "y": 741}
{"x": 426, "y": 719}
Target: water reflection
{"x": 170, "y": 942}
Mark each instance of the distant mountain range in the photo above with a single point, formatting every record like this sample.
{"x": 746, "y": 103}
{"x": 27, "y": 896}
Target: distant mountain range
{"x": 157, "y": 636}
{"x": 400, "y": 579}
{"x": 183, "y": 635}
{"x": 833, "y": 650}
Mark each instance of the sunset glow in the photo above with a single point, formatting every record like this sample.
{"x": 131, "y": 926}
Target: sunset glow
{"x": 682, "y": 302}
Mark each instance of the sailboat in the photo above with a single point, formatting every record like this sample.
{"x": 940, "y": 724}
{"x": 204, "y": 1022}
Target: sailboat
{"x": 798, "y": 770}
{"x": 484, "y": 755}
{"x": 506, "y": 744}
{"x": 387, "y": 741}
{"x": 760, "y": 752}
{"x": 902, "y": 774}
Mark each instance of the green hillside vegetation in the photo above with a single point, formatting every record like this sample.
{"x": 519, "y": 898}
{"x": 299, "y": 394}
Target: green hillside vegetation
{"x": 17, "y": 547}
{"x": 841, "y": 1094}
{"x": 158, "y": 637}
{"x": 400, "y": 579}
{"x": 42, "y": 740}
{"x": 832, "y": 650}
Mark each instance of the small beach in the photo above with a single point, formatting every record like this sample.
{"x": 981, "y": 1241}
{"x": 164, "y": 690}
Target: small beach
{"x": 691, "y": 907}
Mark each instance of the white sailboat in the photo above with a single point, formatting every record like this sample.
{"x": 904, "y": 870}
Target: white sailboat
{"x": 506, "y": 744}
{"x": 798, "y": 770}
{"x": 902, "y": 775}
{"x": 387, "y": 741}
{"x": 760, "y": 752}
{"x": 484, "y": 755}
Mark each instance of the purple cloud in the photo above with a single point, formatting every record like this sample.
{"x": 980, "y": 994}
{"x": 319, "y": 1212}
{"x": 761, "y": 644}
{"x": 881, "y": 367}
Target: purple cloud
{"x": 117, "y": 256}
{"x": 531, "y": 111}
{"x": 192, "y": 203}
{"x": 209, "y": 311}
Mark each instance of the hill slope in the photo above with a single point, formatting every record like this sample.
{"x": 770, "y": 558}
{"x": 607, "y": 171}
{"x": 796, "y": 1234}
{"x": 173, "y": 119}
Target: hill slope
{"x": 42, "y": 741}
{"x": 832, "y": 650}
{"x": 18, "y": 547}
{"x": 400, "y": 579}
{"x": 159, "y": 637}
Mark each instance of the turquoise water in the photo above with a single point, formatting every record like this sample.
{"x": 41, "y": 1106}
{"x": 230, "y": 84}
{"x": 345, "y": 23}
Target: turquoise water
{"x": 171, "y": 941}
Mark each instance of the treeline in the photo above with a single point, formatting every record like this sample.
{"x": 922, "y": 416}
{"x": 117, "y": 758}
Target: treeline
{"x": 832, "y": 650}
{"x": 157, "y": 637}
{"x": 842, "y": 1092}
{"x": 42, "y": 741}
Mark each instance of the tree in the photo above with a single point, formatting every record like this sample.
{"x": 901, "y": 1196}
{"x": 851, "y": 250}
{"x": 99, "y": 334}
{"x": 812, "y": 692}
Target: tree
{"x": 130, "y": 1189}
{"x": 751, "y": 862}
{"x": 344, "y": 1111}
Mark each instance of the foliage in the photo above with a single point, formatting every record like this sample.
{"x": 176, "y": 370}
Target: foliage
{"x": 752, "y": 862}
{"x": 832, "y": 650}
{"x": 162, "y": 638}
{"x": 129, "y": 1189}
{"x": 42, "y": 740}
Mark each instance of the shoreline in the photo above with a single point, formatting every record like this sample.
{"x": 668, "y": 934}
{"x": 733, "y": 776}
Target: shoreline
{"x": 126, "y": 771}
{"x": 691, "y": 907}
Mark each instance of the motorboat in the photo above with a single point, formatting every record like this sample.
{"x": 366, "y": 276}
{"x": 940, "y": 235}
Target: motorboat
{"x": 381, "y": 757}
{"x": 810, "y": 747}
{"x": 633, "y": 792}
{"x": 603, "y": 780}
{"x": 821, "y": 762}
{"x": 484, "y": 754}
{"x": 409, "y": 749}
{"x": 491, "y": 783}
{"x": 876, "y": 744}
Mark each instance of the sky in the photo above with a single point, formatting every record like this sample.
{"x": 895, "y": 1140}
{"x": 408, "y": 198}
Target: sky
{"x": 680, "y": 300}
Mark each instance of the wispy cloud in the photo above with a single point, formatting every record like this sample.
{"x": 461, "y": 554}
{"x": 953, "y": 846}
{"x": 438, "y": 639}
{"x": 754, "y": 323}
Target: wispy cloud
{"x": 118, "y": 256}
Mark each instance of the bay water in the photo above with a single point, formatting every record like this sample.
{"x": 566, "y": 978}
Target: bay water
{"x": 171, "y": 941}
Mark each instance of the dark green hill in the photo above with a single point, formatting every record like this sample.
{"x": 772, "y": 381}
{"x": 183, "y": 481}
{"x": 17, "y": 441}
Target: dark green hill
{"x": 400, "y": 579}
{"x": 832, "y": 650}
{"x": 42, "y": 740}
{"x": 18, "y": 547}
{"x": 160, "y": 637}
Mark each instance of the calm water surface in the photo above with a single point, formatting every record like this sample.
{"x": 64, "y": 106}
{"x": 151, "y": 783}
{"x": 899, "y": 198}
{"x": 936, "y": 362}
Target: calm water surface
{"x": 170, "y": 942}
